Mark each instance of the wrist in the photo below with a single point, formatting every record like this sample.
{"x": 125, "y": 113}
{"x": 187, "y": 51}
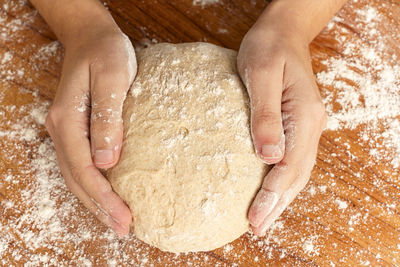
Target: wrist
{"x": 303, "y": 19}
{"x": 91, "y": 26}
{"x": 281, "y": 19}
{"x": 73, "y": 21}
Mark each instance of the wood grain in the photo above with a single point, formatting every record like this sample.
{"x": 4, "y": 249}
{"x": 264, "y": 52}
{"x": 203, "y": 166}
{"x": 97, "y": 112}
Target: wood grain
{"x": 312, "y": 231}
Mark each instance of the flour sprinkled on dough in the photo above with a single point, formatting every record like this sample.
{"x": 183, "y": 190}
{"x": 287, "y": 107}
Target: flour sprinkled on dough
{"x": 188, "y": 169}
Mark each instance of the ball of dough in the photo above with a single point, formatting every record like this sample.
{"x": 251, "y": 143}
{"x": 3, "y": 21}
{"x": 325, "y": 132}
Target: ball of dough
{"x": 188, "y": 170}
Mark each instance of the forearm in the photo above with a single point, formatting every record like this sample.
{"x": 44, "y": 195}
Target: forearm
{"x": 70, "y": 19}
{"x": 302, "y": 18}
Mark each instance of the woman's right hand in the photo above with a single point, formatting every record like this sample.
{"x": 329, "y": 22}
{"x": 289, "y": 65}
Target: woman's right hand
{"x": 85, "y": 120}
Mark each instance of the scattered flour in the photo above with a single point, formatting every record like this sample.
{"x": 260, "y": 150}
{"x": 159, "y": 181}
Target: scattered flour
{"x": 366, "y": 81}
{"x": 308, "y": 246}
{"x": 7, "y": 56}
{"x": 342, "y": 204}
{"x": 228, "y": 248}
{"x": 204, "y": 3}
{"x": 42, "y": 223}
{"x": 47, "y": 51}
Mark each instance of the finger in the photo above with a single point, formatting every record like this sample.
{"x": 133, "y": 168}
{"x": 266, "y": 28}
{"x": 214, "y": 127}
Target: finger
{"x": 94, "y": 207}
{"x": 302, "y": 137}
{"x": 281, "y": 205}
{"x": 265, "y": 92}
{"x": 267, "y": 198}
{"x": 108, "y": 203}
{"x": 86, "y": 181}
{"x": 109, "y": 85}
{"x": 68, "y": 127}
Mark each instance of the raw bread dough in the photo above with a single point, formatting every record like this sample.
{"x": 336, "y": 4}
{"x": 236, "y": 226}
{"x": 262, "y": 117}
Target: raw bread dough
{"x": 188, "y": 170}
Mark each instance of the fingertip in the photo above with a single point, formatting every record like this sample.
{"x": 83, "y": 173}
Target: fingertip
{"x": 269, "y": 157}
{"x": 106, "y": 158}
{"x": 109, "y": 219}
{"x": 264, "y": 202}
{"x": 118, "y": 213}
{"x": 106, "y": 138}
{"x": 118, "y": 209}
{"x": 125, "y": 217}
{"x": 121, "y": 231}
{"x": 272, "y": 153}
{"x": 261, "y": 229}
{"x": 255, "y": 214}
{"x": 117, "y": 150}
{"x": 104, "y": 166}
{"x": 258, "y": 231}
{"x": 122, "y": 227}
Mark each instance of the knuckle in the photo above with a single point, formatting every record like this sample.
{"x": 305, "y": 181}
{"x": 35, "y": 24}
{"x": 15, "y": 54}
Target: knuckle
{"x": 116, "y": 67}
{"x": 316, "y": 111}
{"x": 260, "y": 68}
{"x": 69, "y": 184}
{"x": 263, "y": 66}
{"x": 105, "y": 115}
{"x": 54, "y": 118}
{"x": 101, "y": 66}
{"x": 76, "y": 173}
{"x": 264, "y": 115}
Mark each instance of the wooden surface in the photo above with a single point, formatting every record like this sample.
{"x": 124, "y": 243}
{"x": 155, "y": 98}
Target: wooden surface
{"x": 348, "y": 214}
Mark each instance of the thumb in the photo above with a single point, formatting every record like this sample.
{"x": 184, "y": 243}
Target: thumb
{"x": 265, "y": 92}
{"x": 108, "y": 92}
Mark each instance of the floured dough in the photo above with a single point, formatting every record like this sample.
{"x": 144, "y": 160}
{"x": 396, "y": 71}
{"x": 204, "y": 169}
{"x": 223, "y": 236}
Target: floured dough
{"x": 188, "y": 170}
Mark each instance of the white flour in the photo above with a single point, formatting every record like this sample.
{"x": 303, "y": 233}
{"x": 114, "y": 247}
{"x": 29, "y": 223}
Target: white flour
{"x": 204, "y": 3}
{"x": 366, "y": 82}
{"x": 42, "y": 223}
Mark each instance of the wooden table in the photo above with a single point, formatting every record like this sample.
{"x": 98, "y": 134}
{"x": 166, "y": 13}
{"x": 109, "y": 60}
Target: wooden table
{"x": 348, "y": 214}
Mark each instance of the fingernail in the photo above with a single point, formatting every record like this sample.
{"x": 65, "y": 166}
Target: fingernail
{"x": 118, "y": 228}
{"x": 263, "y": 204}
{"x": 271, "y": 152}
{"x": 282, "y": 142}
{"x": 103, "y": 156}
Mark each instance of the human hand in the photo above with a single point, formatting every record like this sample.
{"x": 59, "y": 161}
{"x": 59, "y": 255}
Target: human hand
{"x": 287, "y": 117}
{"x": 85, "y": 120}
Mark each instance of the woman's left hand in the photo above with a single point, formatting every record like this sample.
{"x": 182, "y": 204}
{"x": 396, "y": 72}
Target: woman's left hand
{"x": 287, "y": 116}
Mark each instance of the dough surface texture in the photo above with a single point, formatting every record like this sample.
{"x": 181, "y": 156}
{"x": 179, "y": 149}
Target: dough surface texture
{"x": 188, "y": 170}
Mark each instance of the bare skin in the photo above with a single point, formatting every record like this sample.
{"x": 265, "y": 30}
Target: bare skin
{"x": 288, "y": 115}
{"x": 85, "y": 120}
